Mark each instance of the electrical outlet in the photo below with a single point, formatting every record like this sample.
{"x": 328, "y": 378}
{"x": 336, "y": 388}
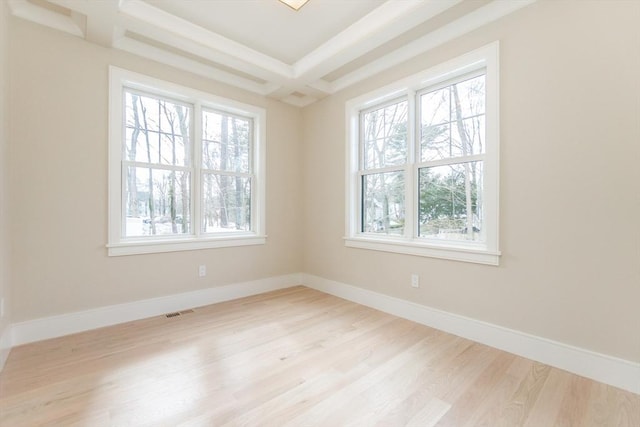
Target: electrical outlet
{"x": 202, "y": 270}
{"x": 415, "y": 281}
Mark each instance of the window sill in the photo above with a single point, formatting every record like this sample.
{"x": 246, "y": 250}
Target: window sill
{"x": 157, "y": 246}
{"x": 420, "y": 248}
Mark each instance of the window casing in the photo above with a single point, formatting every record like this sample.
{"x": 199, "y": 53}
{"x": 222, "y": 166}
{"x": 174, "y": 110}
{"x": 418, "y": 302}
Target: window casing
{"x": 186, "y": 168}
{"x": 423, "y": 163}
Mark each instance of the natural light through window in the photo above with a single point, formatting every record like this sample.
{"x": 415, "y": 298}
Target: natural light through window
{"x": 452, "y": 134}
{"x": 384, "y": 145}
{"x": 157, "y": 166}
{"x": 422, "y": 166}
{"x": 186, "y": 168}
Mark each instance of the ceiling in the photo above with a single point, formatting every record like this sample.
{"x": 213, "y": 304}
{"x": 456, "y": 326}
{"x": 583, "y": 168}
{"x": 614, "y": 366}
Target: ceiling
{"x": 266, "y": 47}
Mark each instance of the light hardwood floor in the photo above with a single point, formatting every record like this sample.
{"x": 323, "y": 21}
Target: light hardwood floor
{"x": 295, "y": 357}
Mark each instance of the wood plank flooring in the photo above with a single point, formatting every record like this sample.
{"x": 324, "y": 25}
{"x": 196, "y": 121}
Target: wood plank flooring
{"x": 294, "y": 357}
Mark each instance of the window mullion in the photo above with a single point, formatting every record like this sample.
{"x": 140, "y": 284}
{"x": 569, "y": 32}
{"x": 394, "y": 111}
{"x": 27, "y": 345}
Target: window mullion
{"x": 461, "y": 190}
{"x": 410, "y": 203}
{"x": 227, "y": 173}
{"x": 184, "y": 109}
{"x": 253, "y": 167}
{"x": 394, "y": 168}
{"x": 126, "y": 163}
{"x": 451, "y": 161}
{"x": 196, "y": 158}
{"x": 123, "y": 203}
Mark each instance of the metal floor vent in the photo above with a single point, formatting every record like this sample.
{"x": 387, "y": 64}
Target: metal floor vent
{"x": 178, "y": 313}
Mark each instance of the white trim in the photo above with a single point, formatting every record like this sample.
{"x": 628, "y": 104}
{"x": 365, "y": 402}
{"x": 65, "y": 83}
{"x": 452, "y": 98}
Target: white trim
{"x": 485, "y": 58}
{"x": 136, "y": 248}
{"x": 29, "y": 11}
{"x": 117, "y": 244}
{"x": 476, "y": 19}
{"x": 106, "y": 23}
{"x": 148, "y": 51}
{"x": 161, "y": 20}
{"x": 418, "y": 248}
{"x": 387, "y": 21}
{"x": 599, "y": 367}
{"x": 6, "y": 341}
{"x": 299, "y": 101}
{"x": 71, "y": 323}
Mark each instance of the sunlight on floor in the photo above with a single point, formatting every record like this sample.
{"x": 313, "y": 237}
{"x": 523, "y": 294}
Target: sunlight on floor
{"x": 161, "y": 387}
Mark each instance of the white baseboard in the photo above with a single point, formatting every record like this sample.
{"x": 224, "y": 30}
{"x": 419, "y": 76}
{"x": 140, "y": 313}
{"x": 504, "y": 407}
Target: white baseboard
{"x": 65, "y": 324}
{"x": 606, "y": 369}
{"x": 6, "y": 339}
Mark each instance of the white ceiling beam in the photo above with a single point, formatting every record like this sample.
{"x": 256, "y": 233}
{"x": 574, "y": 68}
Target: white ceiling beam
{"x": 106, "y": 22}
{"x": 298, "y": 101}
{"x": 101, "y": 18}
{"x": 192, "y": 47}
{"x": 170, "y": 23}
{"x": 383, "y": 24}
{"x": 321, "y": 86}
{"x": 317, "y": 90}
{"x": 101, "y": 22}
{"x": 160, "y": 55}
{"x": 82, "y": 6}
{"x": 31, "y": 12}
{"x": 448, "y": 32}
{"x": 281, "y": 91}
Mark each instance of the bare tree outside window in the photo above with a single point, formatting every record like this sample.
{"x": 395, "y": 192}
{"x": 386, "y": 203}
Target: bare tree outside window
{"x": 452, "y": 133}
{"x": 157, "y": 166}
{"x": 423, "y": 162}
{"x": 226, "y": 172}
{"x": 186, "y": 168}
{"x": 384, "y": 154}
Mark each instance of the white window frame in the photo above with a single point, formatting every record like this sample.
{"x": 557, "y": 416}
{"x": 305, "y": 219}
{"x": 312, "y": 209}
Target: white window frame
{"x": 119, "y": 80}
{"x": 485, "y": 58}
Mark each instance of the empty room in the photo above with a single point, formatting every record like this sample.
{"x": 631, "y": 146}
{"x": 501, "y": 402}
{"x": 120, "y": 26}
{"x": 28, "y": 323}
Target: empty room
{"x": 320, "y": 213}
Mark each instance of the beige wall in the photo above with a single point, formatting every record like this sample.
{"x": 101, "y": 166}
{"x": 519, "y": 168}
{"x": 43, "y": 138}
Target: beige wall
{"x": 4, "y": 201}
{"x": 570, "y": 236}
{"x": 58, "y": 155}
{"x": 570, "y": 183}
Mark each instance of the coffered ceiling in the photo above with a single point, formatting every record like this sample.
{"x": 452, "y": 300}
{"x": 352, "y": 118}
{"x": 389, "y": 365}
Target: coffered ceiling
{"x": 266, "y": 47}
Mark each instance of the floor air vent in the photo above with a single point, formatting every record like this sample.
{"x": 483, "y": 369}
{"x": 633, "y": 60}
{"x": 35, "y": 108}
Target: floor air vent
{"x": 178, "y": 313}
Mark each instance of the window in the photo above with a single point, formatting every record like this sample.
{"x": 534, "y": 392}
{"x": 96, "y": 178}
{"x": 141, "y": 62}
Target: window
{"x": 186, "y": 168}
{"x": 422, "y": 163}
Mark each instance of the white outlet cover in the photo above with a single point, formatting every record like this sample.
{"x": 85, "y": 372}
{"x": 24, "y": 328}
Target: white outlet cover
{"x": 415, "y": 280}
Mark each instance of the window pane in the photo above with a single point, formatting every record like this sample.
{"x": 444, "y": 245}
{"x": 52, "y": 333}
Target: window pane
{"x": 450, "y": 206}
{"x": 452, "y": 122}
{"x": 173, "y": 151}
{"x": 227, "y": 203}
{"x": 436, "y": 142}
{"x": 467, "y": 137}
{"x": 157, "y": 202}
{"x": 383, "y": 203}
{"x": 436, "y": 107}
{"x": 157, "y": 131}
{"x": 225, "y": 145}
{"x": 142, "y": 146}
{"x": 385, "y": 136}
{"x": 468, "y": 98}
{"x": 142, "y": 112}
